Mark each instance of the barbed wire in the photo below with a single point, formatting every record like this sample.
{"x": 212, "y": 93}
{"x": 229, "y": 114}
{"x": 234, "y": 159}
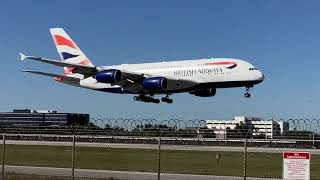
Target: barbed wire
{"x": 193, "y": 128}
{"x": 131, "y": 123}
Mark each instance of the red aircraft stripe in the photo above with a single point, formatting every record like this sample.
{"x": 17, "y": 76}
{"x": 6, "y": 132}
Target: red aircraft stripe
{"x": 69, "y": 70}
{"x": 220, "y": 63}
{"x": 63, "y": 41}
{"x": 84, "y": 62}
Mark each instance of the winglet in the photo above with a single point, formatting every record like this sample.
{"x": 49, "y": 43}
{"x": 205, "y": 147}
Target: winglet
{"x": 23, "y": 56}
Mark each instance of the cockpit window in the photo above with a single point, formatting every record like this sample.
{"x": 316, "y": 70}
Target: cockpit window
{"x": 252, "y": 69}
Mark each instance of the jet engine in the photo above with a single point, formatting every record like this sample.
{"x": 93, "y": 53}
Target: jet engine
{"x": 108, "y": 76}
{"x": 207, "y": 92}
{"x": 155, "y": 83}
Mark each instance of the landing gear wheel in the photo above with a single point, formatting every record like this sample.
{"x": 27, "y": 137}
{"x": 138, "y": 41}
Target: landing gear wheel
{"x": 136, "y": 98}
{"x": 157, "y": 101}
{"x": 147, "y": 99}
{"x": 167, "y": 99}
{"x": 247, "y": 95}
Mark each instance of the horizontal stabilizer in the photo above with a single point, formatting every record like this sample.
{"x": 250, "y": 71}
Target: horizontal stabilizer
{"x": 23, "y": 56}
{"x": 63, "y": 78}
{"x": 79, "y": 68}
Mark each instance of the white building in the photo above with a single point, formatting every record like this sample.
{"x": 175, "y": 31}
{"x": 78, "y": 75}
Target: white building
{"x": 258, "y": 126}
{"x": 284, "y": 127}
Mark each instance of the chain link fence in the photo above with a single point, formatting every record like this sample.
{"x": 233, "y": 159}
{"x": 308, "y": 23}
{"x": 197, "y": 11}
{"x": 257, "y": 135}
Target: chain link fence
{"x": 152, "y": 149}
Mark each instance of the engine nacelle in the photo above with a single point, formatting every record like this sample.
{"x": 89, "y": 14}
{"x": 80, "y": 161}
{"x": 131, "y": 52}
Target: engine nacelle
{"x": 108, "y": 76}
{"x": 205, "y": 92}
{"x": 155, "y": 83}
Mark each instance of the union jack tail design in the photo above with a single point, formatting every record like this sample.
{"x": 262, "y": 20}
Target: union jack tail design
{"x": 68, "y": 50}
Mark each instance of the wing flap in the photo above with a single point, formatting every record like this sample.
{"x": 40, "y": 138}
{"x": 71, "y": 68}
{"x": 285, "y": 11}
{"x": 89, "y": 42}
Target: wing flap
{"x": 133, "y": 76}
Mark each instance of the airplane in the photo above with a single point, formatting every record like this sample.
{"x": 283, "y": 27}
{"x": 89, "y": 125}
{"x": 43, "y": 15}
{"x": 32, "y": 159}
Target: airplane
{"x": 199, "y": 77}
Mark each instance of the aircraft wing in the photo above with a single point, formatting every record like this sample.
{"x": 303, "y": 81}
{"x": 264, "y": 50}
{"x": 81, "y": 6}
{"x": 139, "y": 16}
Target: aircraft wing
{"x": 133, "y": 76}
{"x": 129, "y": 80}
{"x": 63, "y": 78}
{"x": 132, "y": 81}
{"x": 78, "y": 68}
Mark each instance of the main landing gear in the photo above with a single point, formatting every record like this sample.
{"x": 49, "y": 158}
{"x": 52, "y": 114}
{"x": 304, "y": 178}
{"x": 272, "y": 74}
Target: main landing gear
{"x": 147, "y": 99}
{"x": 167, "y": 99}
{"x": 247, "y": 94}
{"x": 151, "y": 99}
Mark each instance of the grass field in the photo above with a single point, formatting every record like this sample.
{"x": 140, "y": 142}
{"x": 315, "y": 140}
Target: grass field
{"x": 189, "y": 162}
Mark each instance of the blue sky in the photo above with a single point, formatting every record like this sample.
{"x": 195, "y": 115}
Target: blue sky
{"x": 279, "y": 37}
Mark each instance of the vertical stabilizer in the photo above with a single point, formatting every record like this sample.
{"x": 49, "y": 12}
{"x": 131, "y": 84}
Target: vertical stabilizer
{"x": 68, "y": 49}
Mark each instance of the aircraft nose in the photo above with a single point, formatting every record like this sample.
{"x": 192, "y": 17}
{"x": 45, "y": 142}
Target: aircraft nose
{"x": 260, "y": 76}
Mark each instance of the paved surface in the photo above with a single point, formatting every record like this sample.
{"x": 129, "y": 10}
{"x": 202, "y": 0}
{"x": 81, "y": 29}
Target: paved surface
{"x": 164, "y": 147}
{"x": 88, "y": 173}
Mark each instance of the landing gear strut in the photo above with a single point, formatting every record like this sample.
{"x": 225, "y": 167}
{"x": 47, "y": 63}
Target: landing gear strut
{"x": 167, "y": 99}
{"x": 247, "y": 94}
{"x": 136, "y": 98}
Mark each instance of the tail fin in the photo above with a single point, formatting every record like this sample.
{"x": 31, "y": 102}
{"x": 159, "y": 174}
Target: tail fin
{"x": 68, "y": 50}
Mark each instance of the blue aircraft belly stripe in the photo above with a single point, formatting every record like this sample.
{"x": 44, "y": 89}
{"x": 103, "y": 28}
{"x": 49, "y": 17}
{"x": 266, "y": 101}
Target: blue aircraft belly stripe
{"x": 118, "y": 90}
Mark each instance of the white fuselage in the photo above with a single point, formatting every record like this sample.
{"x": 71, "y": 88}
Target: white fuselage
{"x": 213, "y": 72}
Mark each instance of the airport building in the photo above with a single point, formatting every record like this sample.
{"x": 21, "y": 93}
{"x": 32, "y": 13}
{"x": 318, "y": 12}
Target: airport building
{"x": 27, "y": 117}
{"x": 258, "y": 126}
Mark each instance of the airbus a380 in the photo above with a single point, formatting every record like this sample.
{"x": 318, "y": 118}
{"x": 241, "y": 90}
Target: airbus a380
{"x": 200, "y": 77}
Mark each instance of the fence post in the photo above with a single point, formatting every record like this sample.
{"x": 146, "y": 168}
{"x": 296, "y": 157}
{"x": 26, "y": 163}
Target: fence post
{"x": 313, "y": 139}
{"x": 73, "y": 153}
{"x": 245, "y": 160}
{"x": 159, "y": 157}
{"x": 3, "y": 153}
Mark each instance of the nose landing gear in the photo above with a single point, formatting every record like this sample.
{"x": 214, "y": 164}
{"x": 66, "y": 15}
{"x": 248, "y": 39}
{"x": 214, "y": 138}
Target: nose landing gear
{"x": 247, "y": 94}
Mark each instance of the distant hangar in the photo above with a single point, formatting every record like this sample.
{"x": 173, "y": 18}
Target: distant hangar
{"x": 28, "y": 117}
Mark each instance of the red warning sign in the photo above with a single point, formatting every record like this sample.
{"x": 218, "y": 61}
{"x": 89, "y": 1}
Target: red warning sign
{"x": 296, "y": 165}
